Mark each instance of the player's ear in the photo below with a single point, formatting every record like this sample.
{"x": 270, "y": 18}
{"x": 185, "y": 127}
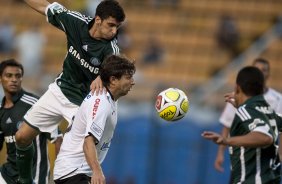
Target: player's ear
{"x": 98, "y": 20}
{"x": 237, "y": 89}
{"x": 113, "y": 79}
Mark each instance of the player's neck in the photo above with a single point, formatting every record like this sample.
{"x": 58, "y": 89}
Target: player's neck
{"x": 8, "y": 100}
{"x": 94, "y": 33}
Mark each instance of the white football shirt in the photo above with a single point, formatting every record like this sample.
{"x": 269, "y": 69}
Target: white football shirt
{"x": 272, "y": 97}
{"x": 97, "y": 116}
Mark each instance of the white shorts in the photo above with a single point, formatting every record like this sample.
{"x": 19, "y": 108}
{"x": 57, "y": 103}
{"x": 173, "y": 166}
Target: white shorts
{"x": 2, "y": 181}
{"x": 50, "y": 109}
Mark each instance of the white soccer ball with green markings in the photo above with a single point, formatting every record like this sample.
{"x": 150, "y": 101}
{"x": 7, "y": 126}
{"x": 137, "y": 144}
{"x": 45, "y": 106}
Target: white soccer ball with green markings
{"x": 172, "y": 104}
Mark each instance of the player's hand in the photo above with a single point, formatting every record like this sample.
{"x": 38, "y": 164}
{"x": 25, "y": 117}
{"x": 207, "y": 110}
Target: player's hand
{"x": 98, "y": 178}
{"x": 215, "y": 137}
{"x": 219, "y": 162}
{"x": 229, "y": 97}
{"x": 97, "y": 86}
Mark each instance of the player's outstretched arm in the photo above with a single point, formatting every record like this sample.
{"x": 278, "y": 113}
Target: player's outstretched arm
{"x": 90, "y": 153}
{"x": 38, "y": 5}
{"x": 252, "y": 140}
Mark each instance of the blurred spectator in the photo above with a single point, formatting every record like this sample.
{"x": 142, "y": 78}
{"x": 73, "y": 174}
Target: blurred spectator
{"x": 6, "y": 36}
{"x": 29, "y": 45}
{"x": 154, "y": 52}
{"x": 91, "y": 6}
{"x": 124, "y": 40}
{"x": 228, "y": 35}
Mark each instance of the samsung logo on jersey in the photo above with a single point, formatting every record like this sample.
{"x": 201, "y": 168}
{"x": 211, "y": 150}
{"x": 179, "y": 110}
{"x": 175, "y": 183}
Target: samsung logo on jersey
{"x": 82, "y": 61}
{"x": 10, "y": 139}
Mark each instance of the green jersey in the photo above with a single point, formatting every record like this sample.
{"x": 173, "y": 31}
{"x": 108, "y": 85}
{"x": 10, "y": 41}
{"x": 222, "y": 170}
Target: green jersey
{"x": 255, "y": 165}
{"x": 10, "y": 120}
{"x": 84, "y": 53}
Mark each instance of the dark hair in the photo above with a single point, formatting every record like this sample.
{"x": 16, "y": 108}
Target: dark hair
{"x": 262, "y": 61}
{"x": 116, "y": 66}
{"x": 251, "y": 81}
{"x": 10, "y": 62}
{"x": 110, "y": 8}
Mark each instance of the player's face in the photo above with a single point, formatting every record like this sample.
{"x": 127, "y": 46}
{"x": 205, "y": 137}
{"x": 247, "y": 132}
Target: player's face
{"x": 11, "y": 79}
{"x": 263, "y": 68}
{"x": 108, "y": 28}
{"x": 125, "y": 84}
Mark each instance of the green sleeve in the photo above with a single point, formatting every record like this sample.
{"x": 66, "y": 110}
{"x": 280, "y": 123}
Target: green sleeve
{"x": 64, "y": 19}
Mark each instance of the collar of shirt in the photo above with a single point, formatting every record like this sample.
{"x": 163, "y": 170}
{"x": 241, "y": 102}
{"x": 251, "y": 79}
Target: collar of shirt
{"x": 15, "y": 97}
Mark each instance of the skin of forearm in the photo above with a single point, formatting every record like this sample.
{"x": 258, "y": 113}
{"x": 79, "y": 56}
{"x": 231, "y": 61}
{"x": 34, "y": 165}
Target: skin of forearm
{"x": 90, "y": 152}
{"x": 252, "y": 140}
{"x": 38, "y": 5}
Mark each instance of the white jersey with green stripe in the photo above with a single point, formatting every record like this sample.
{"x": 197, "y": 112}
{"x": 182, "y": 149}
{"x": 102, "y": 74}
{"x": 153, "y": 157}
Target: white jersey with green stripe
{"x": 260, "y": 164}
{"x": 85, "y": 54}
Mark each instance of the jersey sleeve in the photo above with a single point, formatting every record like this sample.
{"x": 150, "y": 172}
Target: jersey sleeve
{"x": 64, "y": 19}
{"x": 53, "y": 136}
{"x": 96, "y": 117}
{"x": 227, "y": 115}
{"x": 254, "y": 121}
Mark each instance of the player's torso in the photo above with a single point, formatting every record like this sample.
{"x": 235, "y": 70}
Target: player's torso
{"x": 11, "y": 119}
{"x": 250, "y": 163}
{"x": 71, "y": 154}
{"x": 84, "y": 57}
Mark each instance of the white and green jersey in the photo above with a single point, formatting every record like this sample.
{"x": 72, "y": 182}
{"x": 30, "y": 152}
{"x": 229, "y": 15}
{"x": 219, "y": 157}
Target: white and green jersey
{"x": 255, "y": 165}
{"x": 97, "y": 116}
{"x": 84, "y": 53}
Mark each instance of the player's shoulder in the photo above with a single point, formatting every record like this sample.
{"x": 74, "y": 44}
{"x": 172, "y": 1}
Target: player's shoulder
{"x": 57, "y": 8}
{"x": 29, "y": 98}
{"x": 248, "y": 112}
{"x": 97, "y": 99}
{"x": 111, "y": 47}
{"x": 274, "y": 93}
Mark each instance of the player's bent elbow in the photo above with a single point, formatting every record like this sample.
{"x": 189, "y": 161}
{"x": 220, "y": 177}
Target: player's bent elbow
{"x": 267, "y": 140}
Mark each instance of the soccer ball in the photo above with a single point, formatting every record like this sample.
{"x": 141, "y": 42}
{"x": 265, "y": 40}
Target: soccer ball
{"x": 172, "y": 104}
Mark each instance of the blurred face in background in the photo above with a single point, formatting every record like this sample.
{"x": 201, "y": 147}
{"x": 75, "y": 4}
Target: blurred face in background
{"x": 11, "y": 79}
{"x": 264, "y": 68}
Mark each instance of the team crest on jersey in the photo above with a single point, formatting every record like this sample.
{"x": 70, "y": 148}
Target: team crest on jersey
{"x": 95, "y": 61}
{"x": 19, "y": 124}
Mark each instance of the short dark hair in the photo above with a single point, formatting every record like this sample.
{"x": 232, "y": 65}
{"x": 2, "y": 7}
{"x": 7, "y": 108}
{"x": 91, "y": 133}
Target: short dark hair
{"x": 110, "y": 8}
{"x": 251, "y": 81}
{"x": 116, "y": 66}
{"x": 10, "y": 62}
{"x": 262, "y": 61}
